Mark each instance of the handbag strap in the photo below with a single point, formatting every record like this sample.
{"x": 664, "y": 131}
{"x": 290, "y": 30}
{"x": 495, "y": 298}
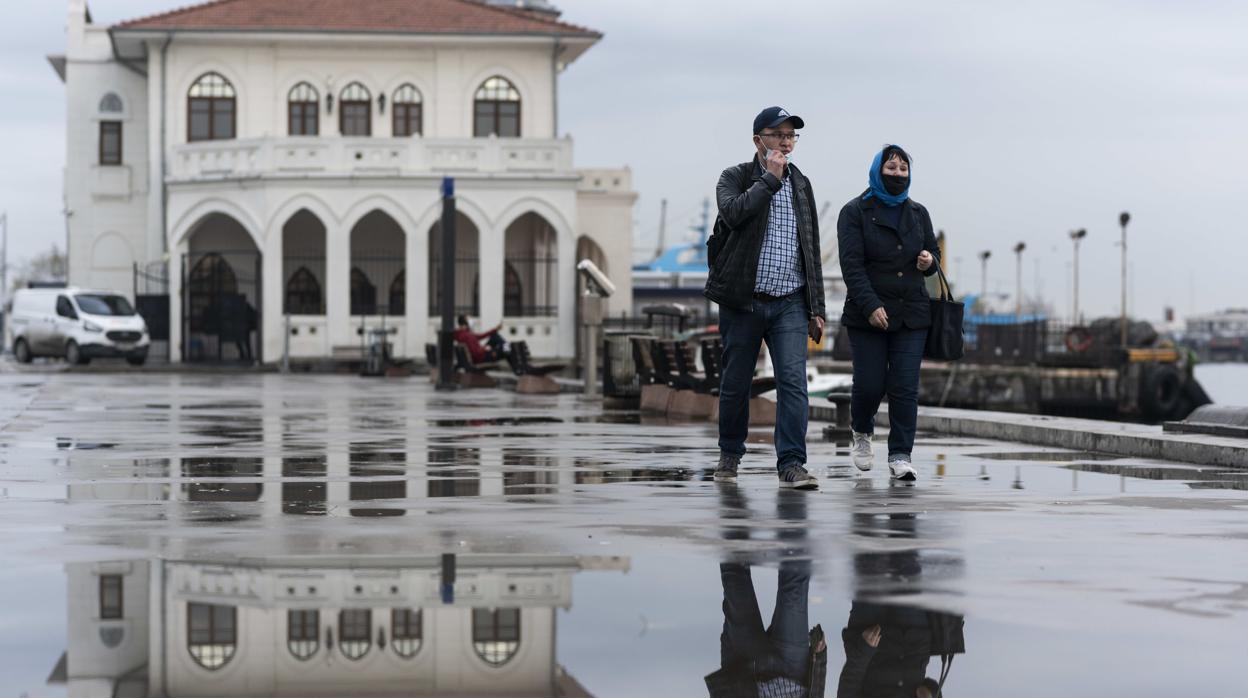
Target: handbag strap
{"x": 946, "y": 293}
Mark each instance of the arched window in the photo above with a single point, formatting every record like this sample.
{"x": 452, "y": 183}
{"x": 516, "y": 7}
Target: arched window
{"x": 406, "y": 631}
{"x": 111, "y": 104}
{"x": 211, "y": 634}
{"x": 354, "y": 630}
{"x": 363, "y": 294}
{"x": 303, "y": 633}
{"x": 496, "y": 110}
{"x": 407, "y": 112}
{"x": 303, "y": 293}
{"x": 496, "y": 634}
{"x": 355, "y": 111}
{"x": 210, "y": 109}
{"x": 398, "y": 294}
{"x": 513, "y": 292}
{"x": 302, "y": 113}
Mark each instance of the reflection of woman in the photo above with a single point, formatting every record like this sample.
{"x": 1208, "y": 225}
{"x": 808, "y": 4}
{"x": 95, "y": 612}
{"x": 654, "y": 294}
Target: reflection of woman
{"x": 887, "y": 247}
{"x": 785, "y": 658}
{"x": 888, "y": 646}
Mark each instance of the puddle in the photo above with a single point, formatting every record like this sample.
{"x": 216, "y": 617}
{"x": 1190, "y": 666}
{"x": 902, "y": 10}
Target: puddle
{"x": 1044, "y": 456}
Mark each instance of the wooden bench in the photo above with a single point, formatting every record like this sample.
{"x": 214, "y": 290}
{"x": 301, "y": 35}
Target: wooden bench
{"x": 762, "y": 410}
{"x": 533, "y": 379}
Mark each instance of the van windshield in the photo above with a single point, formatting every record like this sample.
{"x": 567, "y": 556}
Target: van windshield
{"x": 99, "y": 304}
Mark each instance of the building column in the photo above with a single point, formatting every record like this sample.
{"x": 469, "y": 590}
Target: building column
{"x": 176, "y": 259}
{"x": 273, "y": 293}
{"x": 565, "y": 287}
{"x": 416, "y": 296}
{"x": 491, "y": 248}
{"x": 338, "y": 287}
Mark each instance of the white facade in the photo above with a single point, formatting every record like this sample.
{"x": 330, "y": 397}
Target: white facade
{"x": 349, "y": 209}
{"x": 279, "y": 627}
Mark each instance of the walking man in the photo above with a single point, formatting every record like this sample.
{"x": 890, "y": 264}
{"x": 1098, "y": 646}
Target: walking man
{"x": 766, "y": 274}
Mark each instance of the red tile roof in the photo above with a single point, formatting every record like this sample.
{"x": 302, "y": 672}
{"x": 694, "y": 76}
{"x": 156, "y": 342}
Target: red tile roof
{"x": 391, "y": 16}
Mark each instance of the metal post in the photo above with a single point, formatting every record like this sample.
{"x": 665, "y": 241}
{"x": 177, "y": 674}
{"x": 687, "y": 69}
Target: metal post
{"x": 1077, "y": 236}
{"x": 1018, "y": 299}
{"x": 983, "y": 271}
{"x": 591, "y": 315}
{"x": 446, "y": 336}
{"x": 1123, "y": 219}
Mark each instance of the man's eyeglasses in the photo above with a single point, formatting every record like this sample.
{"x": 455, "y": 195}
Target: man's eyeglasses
{"x": 789, "y": 136}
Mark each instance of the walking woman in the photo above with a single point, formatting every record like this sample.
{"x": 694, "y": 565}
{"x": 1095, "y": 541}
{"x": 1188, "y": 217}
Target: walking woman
{"x": 887, "y": 248}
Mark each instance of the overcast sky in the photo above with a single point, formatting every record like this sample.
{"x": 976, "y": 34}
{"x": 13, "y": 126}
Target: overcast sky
{"x": 1026, "y": 120}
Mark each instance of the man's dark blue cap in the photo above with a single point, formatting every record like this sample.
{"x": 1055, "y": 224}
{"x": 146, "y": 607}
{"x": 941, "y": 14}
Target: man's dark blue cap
{"x": 772, "y": 117}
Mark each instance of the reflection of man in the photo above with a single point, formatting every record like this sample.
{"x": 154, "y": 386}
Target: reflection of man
{"x": 785, "y": 658}
{"x": 495, "y": 348}
{"x": 888, "y": 645}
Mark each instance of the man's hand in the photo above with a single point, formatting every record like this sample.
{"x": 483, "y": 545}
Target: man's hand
{"x": 879, "y": 319}
{"x": 816, "y": 328}
{"x": 872, "y": 636}
{"x": 776, "y": 163}
{"x": 925, "y": 260}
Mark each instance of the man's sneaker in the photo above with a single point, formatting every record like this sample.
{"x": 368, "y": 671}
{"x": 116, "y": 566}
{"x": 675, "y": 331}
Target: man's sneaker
{"x": 726, "y": 471}
{"x": 861, "y": 451}
{"x": 901, "y": 469}
{"x": 795, "y": 476}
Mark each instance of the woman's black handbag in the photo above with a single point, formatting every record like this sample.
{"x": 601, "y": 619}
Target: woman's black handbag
{"x": 944, "y": 337}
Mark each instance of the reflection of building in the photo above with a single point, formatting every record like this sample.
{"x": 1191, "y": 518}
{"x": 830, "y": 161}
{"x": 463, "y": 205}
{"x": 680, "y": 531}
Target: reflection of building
{"x": 1221, "y": 336}
{"x": 256, "y": 153}
{"x": 332, "y": 626}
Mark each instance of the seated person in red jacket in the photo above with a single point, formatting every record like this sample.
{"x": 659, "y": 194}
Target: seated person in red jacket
{"x": 495, "y": 348}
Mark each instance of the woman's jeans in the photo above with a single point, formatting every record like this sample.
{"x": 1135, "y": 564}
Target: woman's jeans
{"x": 784, "y": 324}
{"x": 887, "y": 363}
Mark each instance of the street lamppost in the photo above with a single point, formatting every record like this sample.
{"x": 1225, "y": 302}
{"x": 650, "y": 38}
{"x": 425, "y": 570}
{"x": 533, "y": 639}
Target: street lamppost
{"x": 983, "y": 273}
{"x": 1018, "y": 299}
{"x": 1077, "y": 236}
{"x": 1123, "y": 219}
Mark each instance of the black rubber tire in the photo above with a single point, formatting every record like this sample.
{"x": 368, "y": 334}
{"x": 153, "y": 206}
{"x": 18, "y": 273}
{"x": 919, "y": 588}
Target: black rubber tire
{"x": 21, "y": 351}
{"x": 136, "y": 360}
{"x": 73, "y": 354}
{"x": 1163, "y": 390}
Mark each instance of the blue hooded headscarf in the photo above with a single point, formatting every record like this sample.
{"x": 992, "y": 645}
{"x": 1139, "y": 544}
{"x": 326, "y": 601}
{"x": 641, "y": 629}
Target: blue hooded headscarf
{"x": 876, "y": 182}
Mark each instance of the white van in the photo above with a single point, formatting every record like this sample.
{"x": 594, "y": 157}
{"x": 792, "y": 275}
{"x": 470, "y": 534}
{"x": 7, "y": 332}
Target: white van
{"x": 77, "y": 324}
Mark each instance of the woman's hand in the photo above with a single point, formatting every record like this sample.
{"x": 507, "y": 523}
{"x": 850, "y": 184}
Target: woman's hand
{"x": 925, "y": 260}
{"x": 879, "y": 319}
{"x": 872, "y": 635}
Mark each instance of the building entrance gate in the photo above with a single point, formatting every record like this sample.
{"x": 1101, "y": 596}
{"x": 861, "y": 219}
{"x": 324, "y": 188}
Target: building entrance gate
{"x": 221, "y": 317}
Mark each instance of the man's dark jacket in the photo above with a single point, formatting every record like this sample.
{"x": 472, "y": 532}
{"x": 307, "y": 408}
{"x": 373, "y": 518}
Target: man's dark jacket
{"x": 878, "y": 264}
{"x": 744, "y": 197}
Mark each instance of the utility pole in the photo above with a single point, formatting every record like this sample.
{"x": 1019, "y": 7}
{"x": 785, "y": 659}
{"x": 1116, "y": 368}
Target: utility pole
{"x": 1018, "y": 300}
{"x": 983, "y": 274}
{"x": 1077, "y": 236}
{"x": 662, "y": 228}
{"x": 1123, "y": 219}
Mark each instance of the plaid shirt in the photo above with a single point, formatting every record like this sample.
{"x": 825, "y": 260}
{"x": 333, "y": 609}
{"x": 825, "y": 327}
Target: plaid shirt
{"x": 780, "y": 259}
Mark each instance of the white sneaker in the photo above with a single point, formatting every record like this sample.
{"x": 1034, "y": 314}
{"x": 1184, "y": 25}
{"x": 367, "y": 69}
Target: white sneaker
{"x": 861, "y": 451}
{"x": 901, "y": 469}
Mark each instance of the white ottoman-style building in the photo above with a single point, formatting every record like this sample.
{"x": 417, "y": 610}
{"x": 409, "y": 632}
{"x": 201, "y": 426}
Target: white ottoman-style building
{"x": 244, "y": 166}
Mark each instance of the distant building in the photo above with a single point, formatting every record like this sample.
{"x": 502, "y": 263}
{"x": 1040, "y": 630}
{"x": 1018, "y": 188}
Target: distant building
{"x": 256, "y": 153}
{"x": 1220, "y": 336}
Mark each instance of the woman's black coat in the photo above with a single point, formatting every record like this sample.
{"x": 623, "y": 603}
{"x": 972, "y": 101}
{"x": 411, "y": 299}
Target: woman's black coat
{"x": 878, "y": 264}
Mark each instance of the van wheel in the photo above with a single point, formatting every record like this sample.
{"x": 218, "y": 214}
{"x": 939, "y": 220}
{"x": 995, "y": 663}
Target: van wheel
{"x": 22, "y": 351}
{"x": 136, "y": 360}
{"x": 73, "y": 354}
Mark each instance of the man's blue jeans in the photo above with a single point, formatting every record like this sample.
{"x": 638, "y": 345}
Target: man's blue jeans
{"x": 887, "y": 363}
{"x": 783, "y": 324}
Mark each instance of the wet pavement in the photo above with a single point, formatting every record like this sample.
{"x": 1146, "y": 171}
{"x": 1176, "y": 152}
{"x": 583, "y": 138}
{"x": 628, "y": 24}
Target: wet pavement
{"x": 331, "y": 535}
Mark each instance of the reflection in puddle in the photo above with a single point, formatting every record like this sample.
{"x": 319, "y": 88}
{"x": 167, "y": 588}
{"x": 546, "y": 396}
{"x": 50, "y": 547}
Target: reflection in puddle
{"x": 493, "y": 421}
{"x": 329, "y": 626}
{"x": 1047, "y": 456}
{"x": 220, "y": 468}
{"x": 1196, "y": 478}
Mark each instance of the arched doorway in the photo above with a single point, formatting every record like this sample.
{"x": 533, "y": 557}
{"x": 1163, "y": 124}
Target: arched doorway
{"x": 221, "y": 293}
{"x": 378, "y": 259}
{"x": 467, "y": 266}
